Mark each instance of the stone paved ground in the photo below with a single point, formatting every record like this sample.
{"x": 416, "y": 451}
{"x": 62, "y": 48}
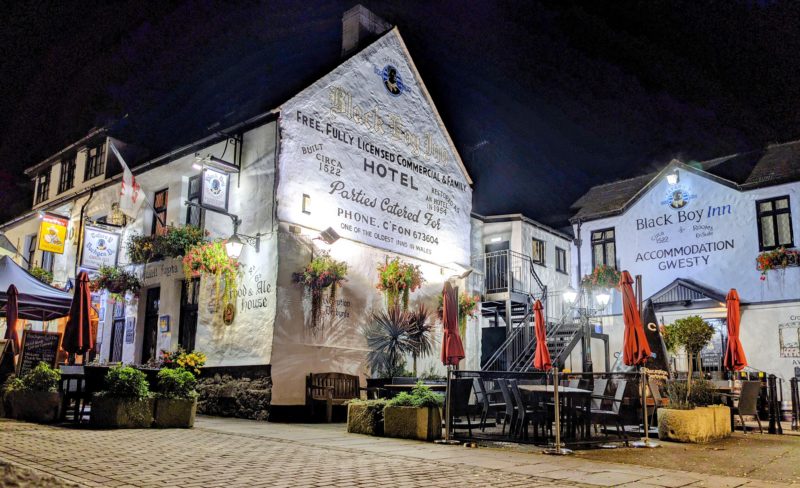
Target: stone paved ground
{"x": 231, "y": 453}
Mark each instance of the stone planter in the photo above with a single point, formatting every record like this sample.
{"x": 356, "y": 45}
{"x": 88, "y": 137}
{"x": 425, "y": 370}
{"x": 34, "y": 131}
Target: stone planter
{"x": 43, "y": 407}
{"x": 175, "y": 412}
{"x": 424, "y": 424}
{"x": 701, "y": 424}
{"x": 364, "y": 418}
{"x": 122, "y": 413}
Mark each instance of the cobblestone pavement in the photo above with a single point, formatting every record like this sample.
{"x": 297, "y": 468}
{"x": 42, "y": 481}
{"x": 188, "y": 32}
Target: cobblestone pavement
{"x": 232, "y": 453}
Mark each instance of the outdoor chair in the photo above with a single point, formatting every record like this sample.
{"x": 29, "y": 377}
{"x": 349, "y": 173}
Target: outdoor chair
{"x": 748, "y": 403}
{"x": 527, "y": 413}
{"x": 487, "y": 401}
{"x": 510, "y": 414}
{"x": 461, "y": 389}
{"x": 604, "y": 415}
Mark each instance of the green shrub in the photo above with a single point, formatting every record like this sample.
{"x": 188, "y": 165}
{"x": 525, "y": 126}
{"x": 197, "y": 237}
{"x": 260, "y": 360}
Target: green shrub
{"x": 13, "y": 384}
{"x": 126, "y": 382}
{"x": 420, "y": 396}
{"x": 680, "y": 398}
{"x": 702, "y": 393}
{"x": 42, "y": 378}
{"x": 176, "y": 383}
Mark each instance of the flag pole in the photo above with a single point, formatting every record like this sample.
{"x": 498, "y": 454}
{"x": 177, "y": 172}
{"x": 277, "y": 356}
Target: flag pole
{"x": 144, "y": 195}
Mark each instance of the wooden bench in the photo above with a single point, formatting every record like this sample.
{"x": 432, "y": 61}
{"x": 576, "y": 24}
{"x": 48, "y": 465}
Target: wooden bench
{"x": 331, "y": 389}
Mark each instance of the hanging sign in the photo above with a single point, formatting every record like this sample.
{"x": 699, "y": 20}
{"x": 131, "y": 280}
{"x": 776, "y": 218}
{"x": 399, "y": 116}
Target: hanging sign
{"x": 214, "y": 192}
{"x": 100, "y": 248}
{"x": 53, "y": 233}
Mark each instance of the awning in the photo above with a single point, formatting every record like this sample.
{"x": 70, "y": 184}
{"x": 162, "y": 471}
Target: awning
{"x": 37, "y": 301}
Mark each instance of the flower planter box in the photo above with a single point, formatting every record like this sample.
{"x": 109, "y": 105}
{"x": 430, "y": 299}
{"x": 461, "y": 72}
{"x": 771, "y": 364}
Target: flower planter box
{"x": 43, "y": 407}
{"x": 175, "y": 412}
{"x": 365, "y": 419}
{"x": 122, "y": 413}
{"x": 424, "y": 424}
{"x": 701, "y": 424}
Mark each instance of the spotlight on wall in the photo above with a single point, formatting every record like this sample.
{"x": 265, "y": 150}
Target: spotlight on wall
{"x": 329, "y": 236}
{"x": 673, "y": 178}
{"x": 496, "y": 239}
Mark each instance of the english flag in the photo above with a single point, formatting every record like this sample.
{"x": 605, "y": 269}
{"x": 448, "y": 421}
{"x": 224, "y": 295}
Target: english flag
{"x": 131, "y": 196}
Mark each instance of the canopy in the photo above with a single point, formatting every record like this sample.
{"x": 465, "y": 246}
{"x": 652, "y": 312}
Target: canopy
{"x": 541, "y": 356}
{"x": 635, "y": 349}
{"x": 452, "y": 348}
{"x": 735, "y": 359}
{"x": 36, "y": 300}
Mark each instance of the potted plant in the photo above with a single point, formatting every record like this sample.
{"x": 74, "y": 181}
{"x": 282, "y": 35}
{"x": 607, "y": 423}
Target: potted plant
{"x": 689, "y": 416}
{"x": 35, "y": 396}
{"x": 322, "y": 272}
{"x": 397, "y": 279}
{"x": 125, "y": 402}
{"x": 602, "y": 277}
{"x": 211, "y": 258}
{"x": 42, "y": 275}
{"x": 365, "y": 416}
{"x": 117, "y": 281}
{"x": 414, "y": 415}
{"x": 181, "y": 358}
{"x": 389, "y": 340}
{"x": 176, "y": 399}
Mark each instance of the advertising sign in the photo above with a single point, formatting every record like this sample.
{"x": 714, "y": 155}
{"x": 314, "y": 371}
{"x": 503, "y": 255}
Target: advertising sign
{"x": 53, "y": 233}
{"x": 363, "y": 152}
{"x": 214, "y": 192}
{"x": 100, "y": 248}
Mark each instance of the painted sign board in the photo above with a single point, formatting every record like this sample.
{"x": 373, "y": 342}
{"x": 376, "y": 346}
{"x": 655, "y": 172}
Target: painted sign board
{"x": 37, "y": 347}
{"x": 100, "y": 248}
{"x": 363, "y": 152}
{"x": 53, "y": 233}
{"x": 163, "y": 324}
{"x": 214, "y": 191}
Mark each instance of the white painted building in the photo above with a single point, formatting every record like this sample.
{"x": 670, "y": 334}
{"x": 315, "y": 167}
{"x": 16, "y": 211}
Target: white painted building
{"x": 693, "y": 232}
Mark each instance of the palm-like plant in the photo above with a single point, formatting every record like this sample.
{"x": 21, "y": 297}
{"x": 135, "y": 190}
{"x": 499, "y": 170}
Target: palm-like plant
{"x": 388, "y": 339}
{"x": 419, "y": 330}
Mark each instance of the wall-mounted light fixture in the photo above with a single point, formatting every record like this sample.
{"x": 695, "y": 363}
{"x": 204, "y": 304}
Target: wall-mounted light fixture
{"x": 496, "y": 239}
{"x": 569, "y": 295}
{"x": 213, "y": 162}
{"x": 235, "y": 243}
{"x": 673, "y": 178}
{"x": 602, "y": 299}
{"x": 328, "y": 236}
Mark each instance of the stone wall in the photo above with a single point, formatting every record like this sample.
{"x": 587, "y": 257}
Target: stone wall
{"x": 235, "y": 392}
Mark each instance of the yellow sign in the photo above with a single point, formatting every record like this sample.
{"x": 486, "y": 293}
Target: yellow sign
{"x": 53, "y": 233}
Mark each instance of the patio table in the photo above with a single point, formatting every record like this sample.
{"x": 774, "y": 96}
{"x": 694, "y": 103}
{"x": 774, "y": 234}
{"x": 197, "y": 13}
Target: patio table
{"x": 572, "y": 396}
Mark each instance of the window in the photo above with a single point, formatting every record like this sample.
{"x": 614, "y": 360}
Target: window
{"x": 537, "y": 252}
{"x": 95, "y": 161}
{"x": 47, "y": 261}
{"x": 67, "y": 174}
{"x": 31, "y": 250}
{"x": 160, "y": 212}
{"x": 194, "y": 215}
{"x": 774, "y": 223}
{"x": 561, "y": 260}
{"x": 604, "y": 250}
{"x": 42, "y": 186}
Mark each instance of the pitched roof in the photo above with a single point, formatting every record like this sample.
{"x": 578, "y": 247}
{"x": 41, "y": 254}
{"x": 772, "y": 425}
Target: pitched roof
{"x": 776, "y": 164}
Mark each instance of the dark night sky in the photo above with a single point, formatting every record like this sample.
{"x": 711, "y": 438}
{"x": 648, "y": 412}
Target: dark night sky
{"x": 568, "y": 94}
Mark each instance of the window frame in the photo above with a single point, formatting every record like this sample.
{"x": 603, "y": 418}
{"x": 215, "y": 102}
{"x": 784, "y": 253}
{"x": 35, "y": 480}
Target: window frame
{"x": 542, "y": 248}
{"x": 603, "y": 241}
{"x": 43, "y": 186}
{"x": 33, "y": 239}
{"x": 195, "y": 197}
{"x": 95, "y": 161}
{"x": 48, "y": 261}
{"x": 67, "y": 168}
{"x": 561, "y": 264}
{"x": 160, "y": 210}
{"x": 772, "y": 214}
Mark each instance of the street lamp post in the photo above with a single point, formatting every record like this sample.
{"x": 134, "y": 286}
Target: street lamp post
{"x": 586, "y": 311}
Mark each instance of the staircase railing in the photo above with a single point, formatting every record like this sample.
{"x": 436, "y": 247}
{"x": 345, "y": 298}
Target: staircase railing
{"x": 513, "y": 345}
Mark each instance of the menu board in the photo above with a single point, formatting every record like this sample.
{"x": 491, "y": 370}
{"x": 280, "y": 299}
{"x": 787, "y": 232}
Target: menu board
{"x": 37, "y": 347}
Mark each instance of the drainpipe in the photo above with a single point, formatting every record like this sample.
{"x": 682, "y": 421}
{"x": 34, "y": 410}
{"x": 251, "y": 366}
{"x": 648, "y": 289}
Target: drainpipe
{"x": 79, "y": 254}
{"x": 577, "y": 241}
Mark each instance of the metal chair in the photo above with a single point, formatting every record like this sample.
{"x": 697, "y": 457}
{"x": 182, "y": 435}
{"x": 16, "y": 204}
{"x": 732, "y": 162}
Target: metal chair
{"x": 459, "y": 396}
{"x": 603, "y": 416}
{"x": 527, "y": 413}
{"x": 486, "y": 400}
{"x": 748, "y": 403}
{"x": 510, "y": 414}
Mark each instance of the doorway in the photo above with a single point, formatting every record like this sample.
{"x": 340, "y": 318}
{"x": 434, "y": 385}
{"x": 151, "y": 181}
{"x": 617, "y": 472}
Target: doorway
{"x": 150, "y": 337}
{"x": 117, "y": 333}
{"x": 187, "y": 328}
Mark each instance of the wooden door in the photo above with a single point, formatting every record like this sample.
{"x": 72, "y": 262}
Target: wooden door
{"x": 187, "y": 328}
{"x": 150, "y": 331}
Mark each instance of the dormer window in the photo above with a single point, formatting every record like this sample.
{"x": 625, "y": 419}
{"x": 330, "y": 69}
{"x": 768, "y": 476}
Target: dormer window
{"x": 67, "y": 179}
{"x": 42, "y": 186}
{"x": 95, "y": 161}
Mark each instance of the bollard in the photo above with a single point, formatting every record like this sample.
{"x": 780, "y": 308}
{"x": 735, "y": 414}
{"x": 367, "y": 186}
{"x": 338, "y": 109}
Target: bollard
{"x": 795, "y": 404}
{"x": 774, "y": 406}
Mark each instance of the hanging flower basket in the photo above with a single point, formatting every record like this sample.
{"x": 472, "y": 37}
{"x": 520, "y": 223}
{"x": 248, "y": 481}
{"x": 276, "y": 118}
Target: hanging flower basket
{"x": 603, "y": 276}
{"x": 322, "y": 272}
{"x": 174, "y": 243}
{"x": 397, "y": 280}
{"x": 467, "y": 308}
{"x": 780, "y": 258}
{"x": 211, "y": 258}
{"x": 117, "y": 281}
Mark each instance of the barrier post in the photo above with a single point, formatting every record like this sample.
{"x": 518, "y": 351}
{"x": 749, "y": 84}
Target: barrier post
{"x": 558, "y": 450}
{"x": 645, "y": 442}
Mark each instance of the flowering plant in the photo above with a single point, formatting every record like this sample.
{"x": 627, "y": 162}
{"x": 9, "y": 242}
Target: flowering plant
{"x": 397, "y": 279}
{"x": 322, "y": 272}
{"x": 41, "y": 274}
{"x": 117, "y": 281}
{"x": 212, "y": 258}
{"x": 180, "y": 358}
{"x": 777, "y": 258}
{"x": 174, "y": 243}
{"x": 467, "y": 308}
{"x": 603, "y": 276}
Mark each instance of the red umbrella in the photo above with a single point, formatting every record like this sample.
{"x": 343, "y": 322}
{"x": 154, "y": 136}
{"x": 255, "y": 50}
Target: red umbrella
{"x": 541, "y": 357}
{"x": 12, "y": 311}
{"x": 635, "y": 349}
{"x": 78, "y": 332}
{"x": 734, "y": 354}
{"x": 452, "y": 348}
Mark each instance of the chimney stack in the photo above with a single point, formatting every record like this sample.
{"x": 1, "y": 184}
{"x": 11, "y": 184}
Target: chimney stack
{"x": 360, "y": 25}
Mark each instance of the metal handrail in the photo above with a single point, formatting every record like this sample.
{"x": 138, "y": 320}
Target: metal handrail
{"x": 513, "y": 337}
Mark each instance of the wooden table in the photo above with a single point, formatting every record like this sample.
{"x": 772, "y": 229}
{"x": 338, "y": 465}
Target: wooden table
{"x": 572, "y": 396}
